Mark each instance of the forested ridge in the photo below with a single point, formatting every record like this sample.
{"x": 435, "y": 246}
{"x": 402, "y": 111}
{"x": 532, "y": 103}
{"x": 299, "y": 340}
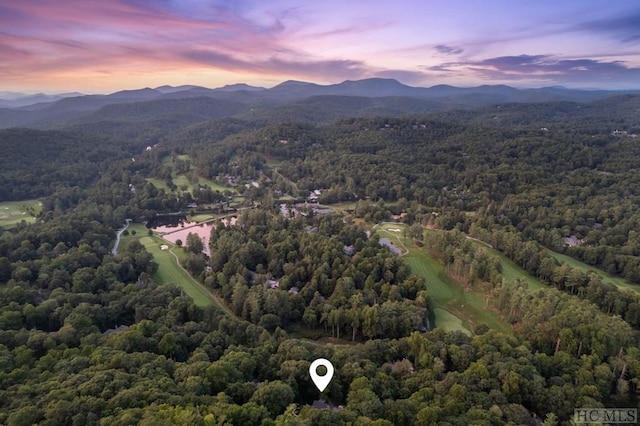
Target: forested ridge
{"x": 90, "y": 337}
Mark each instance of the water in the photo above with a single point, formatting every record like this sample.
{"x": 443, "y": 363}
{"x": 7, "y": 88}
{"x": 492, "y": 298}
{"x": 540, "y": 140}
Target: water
{"x": 174, "y": 228}
{"x": 387, "y": 242}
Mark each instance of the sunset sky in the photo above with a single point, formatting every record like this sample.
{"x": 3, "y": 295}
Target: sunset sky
{"x": 109, "y": 45}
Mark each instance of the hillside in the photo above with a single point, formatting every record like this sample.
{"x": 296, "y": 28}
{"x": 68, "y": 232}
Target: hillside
{"x": 466, "y": 266}
{"x": 391, "y": 98}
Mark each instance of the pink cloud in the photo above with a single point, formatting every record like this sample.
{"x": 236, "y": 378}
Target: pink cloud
{"x": 545, "y": 68}
{"x": 86, "y": 35}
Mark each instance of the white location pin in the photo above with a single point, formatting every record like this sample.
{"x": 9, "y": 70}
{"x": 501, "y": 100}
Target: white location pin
{"x": 321, "y": 382}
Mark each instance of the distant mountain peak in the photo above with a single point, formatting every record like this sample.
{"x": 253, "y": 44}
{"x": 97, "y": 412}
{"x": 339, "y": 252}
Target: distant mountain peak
{"x": 240, "y": 86}
{"x": 374, "y": 82}
{"x": 295, "y": 83}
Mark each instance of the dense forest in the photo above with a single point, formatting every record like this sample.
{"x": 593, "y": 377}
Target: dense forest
{"x": 91, "y": 335}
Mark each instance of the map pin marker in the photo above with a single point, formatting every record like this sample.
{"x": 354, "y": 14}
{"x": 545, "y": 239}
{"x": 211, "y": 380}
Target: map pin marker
{"x": 321, "y": 382}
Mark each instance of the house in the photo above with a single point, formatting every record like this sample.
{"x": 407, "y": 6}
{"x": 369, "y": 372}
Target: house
{"x": 321, "y": 404}
{"x": 116, "y": 330}
{"x": 294, "y": 290}
{"x": 314, "y": 195}
{"x": 349, "y": 250}
{"x": 573, "y": 241}
{"x": 319, "y": 211}
{"x": 272, "y": 284}
{"x": 288, "y": 212}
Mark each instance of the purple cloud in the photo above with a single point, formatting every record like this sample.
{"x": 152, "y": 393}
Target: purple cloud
{"x": 448, "y": 50}
{"x": 340, "y": 69}
{"x": 626, "y": 27}
{"x": 546, "y": 68}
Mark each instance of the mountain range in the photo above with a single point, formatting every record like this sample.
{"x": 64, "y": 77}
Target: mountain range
{"x": 294, "y": 99}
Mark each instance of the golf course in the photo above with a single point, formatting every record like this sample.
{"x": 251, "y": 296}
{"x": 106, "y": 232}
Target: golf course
{"x": 14, "y": 212}
{"x": 169, "y": 270}
{"x": 455, "y": 307}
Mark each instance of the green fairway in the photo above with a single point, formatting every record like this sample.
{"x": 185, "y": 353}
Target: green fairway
{"x": 14, "y": 212}
{"x": 509, "y": 270}
{"x": 459, "y": 306}
{"x": 341, "y": 207}
{"x": 169, "y": 272}
{"x": 181, "y": 181}
{"x": 450, "y": 322}
{"x": 166, "y": 161}
{"x": 606, "y": 278}
{"x": 160, "y": 184}
{"x": 134, "y": 232}
{"x": 205, "y": 217}
{"x": 466, "y": 304}
{"x": 439, "y": 285}
{"x": 394, "y": 232}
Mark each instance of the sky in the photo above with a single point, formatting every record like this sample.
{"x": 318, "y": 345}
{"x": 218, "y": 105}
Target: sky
{"x": 104, "y": 46}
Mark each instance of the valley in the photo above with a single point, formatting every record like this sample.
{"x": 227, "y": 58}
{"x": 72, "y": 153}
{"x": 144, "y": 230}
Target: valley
{"x": 458, "y": 258}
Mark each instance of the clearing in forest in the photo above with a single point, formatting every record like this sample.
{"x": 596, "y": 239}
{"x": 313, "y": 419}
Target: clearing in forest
{"x": 181, "y": 180}
{"x": 621, "y": 283}
{"x": 459, "y": 306}
{"x": 170, "y": 272}
{"x": 509, "y": 270}
{"x": 14, "y": 212}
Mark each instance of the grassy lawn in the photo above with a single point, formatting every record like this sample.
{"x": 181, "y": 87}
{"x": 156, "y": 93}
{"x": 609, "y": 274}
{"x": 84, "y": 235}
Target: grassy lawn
{"x": 136, "y": 230}
{"x": 203, "y": 217}
{"x": 509, "y": 270}
{"x": 181, "y": 180}
{"x": 464, "y": 304}
{"x": 160, "y": 184}
{"x": 442, "y": 289}
{"x": 456, "y": 307}
{"x": 450, "y": 322}
{"x": 341, "y": 207}
{"x": 169, "y": 272}
{"x": 14, "y": 212}
{"x": 166, "y": 161}
{"x": 606, "y": 278}
{"x": 238, "y": 201}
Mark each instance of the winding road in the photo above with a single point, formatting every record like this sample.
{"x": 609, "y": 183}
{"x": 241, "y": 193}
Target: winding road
{"x": 114, "y": 251}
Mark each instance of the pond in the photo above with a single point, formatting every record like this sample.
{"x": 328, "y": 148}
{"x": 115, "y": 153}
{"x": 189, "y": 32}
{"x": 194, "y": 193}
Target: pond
{"x": 177, "y": 227}
{"x": 387, "y": 242}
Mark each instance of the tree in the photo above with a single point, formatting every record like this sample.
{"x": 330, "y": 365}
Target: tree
{"x": 274, "y": 396}
{"x": 194, "y": 243}
{"x": 362, "y": 399}
{"x": 416, "y": 232}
